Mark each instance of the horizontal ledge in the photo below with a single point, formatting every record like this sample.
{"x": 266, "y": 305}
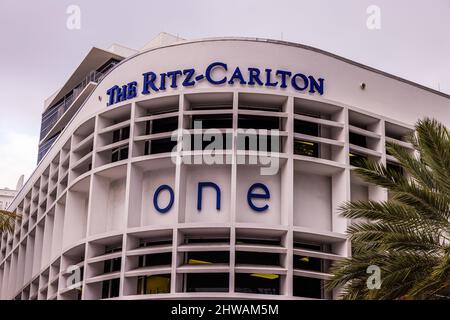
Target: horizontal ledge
{"x": 157, "y": 116}
{"x": 154, "y": 270}
{"x": 264, "y": 113}
{"x": 154, "y": 136}
{"x": 260, "y": 248}
{"x": 365, "y": 151}
{"x": 113, "y": 127}
{"x": 103, "y": 277}
{"x": 104, "y": 257}
{"x": 316, "y": 254}
{"x": 324, "y": 122}
{"x": 110, "y": 146}
{"x": 204, "y": 268}
{"x": 312, "y": 274}
{"x": 207, "y": 112}
{"x": 244, "y": 268}
{"x": 302, "y": 136}
{"x": 150, "y": 250}
{"x": 364, "y": 132}
{"x": 86, "y": 141}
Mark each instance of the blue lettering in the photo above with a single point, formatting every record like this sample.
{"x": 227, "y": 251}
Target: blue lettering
{"x": 189, "y": 73}
{"x": 269, "y": 83}
{"x": 316, "y": 85}
{"x": 254, "y": 76}
{"x": 111, "y": 92}
{"x": 156, "y": 195}
{"x": 121, "y": 94}
{"x": 237, "y": 74}
{"x": 132, "y": 90}
{"x": 209, "y": 70}
{"x": 174, "y": 75}
{"x": 295, "y": 84}
{"x": 162, "y": 81}
{"x": 252, "y": 195}
{"x": 202, "y": 185}
{"x": 284, "y": 76}
{"x": 149, "y": 82}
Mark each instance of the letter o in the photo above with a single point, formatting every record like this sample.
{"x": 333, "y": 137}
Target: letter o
{"x": 294, "y": 82}
{"x": 156, "y": 195}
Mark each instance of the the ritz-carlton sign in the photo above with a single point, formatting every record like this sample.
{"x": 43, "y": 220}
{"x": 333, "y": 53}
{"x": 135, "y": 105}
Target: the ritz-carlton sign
{"x": 216, "y": 73}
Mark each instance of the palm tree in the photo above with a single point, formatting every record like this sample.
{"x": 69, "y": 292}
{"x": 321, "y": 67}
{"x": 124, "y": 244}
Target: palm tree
{"x": 407, "y": 236}
{"x": 7, "y": 220}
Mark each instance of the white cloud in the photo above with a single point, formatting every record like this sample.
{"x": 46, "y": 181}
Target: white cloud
{"x": 18, "y": 154}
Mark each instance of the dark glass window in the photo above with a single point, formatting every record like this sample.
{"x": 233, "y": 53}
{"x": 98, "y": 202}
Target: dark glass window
{"x": 259, "y": 258}
{"x": 214, "y": 121}
{"x": 159, "y": 146}
{"x": 121, "y": 134}
{"x": 258, "y": 122}
{"x": 224, "y": 142}
{"x": 257, "y": 283}
{"x": 157, "y": 259}
{"x": 206, "y": 240}
{"x": 358, "y": 140}
{"x": 256, "y": 143}
{"x": 304, "y": 127}
{"x": 270, "y": 242}
{"x": 154, "y": 284}
{"x": 206, "y": 282}
{"x": 306, "y": 148}
{"x": 161, "y": 125}
{"x": 308, "y": 287}
{"x": 119, "y": 154}
{"x": 110, "y": 288}
{"x": 207, "y": 257}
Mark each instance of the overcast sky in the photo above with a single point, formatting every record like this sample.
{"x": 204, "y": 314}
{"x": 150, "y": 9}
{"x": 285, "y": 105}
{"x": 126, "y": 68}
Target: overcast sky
{"x": 38, "y": 52}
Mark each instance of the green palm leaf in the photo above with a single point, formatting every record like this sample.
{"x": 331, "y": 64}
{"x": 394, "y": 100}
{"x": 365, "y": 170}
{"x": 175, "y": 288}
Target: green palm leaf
{"x": 407, "y": 236}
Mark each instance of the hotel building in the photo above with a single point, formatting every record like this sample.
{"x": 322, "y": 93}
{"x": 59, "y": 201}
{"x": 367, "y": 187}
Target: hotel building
{"x": 117, "y": 209}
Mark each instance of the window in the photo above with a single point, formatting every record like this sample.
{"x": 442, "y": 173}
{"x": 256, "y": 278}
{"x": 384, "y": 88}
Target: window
{"x": 304, "y": 127}
{"x": 121, "y": 134}
{"x": 153, "y": 284}
{"x": 213, "y": 121}
{"x": 208, "y": 257}
{"x": 161, "y": 125}
{"x": 110, "y": 288}
{"x": 159, "y": 146}
{"x": 257, "y": 283}
{"x": 258, "y": 122}
{"x": 308, "y": 287}
{"x": 206, "y": 282}
{"x": 306, "y": 148}
{"x": 120, "y": 153}
{"x": 157, "y": 259}
{"x": 358, "y": 140}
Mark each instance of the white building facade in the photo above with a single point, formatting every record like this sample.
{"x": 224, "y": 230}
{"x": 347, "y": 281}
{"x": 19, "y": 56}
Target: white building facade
{"x": 117, "y": 209}
{"x": 6, "y": 197}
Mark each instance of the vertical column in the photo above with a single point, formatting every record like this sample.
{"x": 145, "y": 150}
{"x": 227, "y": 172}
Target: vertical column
{"x": 287, "y": 201}
{"x": 233, "y": 193}
{"x": 128, "y": 189}
{"x": 88, "y": 222}
{"x": 340, "y": 186}
{"x": 180, "y": 193}
{"x": 377, "y": 193}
